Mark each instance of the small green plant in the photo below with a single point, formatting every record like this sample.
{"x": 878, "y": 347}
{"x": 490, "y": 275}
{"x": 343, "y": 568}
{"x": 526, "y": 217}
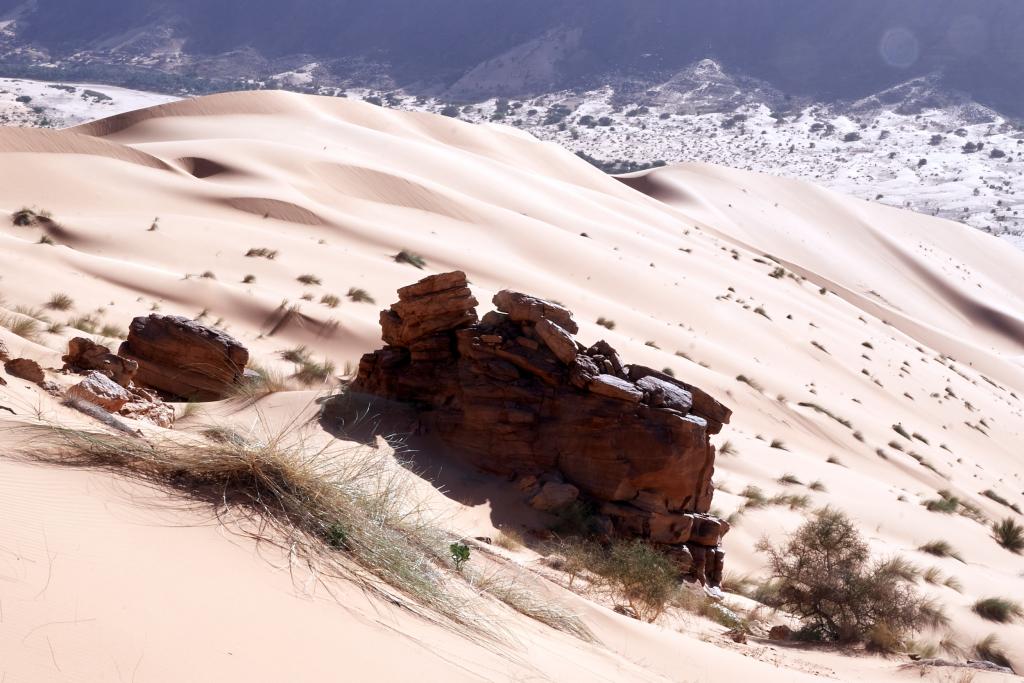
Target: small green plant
{"x": 1009, "y": 534}
{"x": 999, "y": 610}
{"x": 459, "y": 554}
{"x": 411, "y": 258}
{"x": 337, "y": 537}
{"x": 360, "y": 296}
{"x": 641, "y": 575}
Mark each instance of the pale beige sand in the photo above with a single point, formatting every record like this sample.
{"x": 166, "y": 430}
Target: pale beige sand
{"x": 103, "y": 581}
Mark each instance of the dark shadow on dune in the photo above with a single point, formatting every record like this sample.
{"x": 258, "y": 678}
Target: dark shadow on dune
{"x": 200, "y": 167}
{"x": 363, "y": 418}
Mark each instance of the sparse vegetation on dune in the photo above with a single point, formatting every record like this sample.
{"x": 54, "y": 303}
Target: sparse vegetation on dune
{"x": 26, "y": 327}
{"x": 999, "y": 610}
{"x": 360, "y": 296}
{"x": 1009, "y": 534}
{"x": 346, "y": 511}
{"x": 60, "y": 302}
{"x": 941, "y": 548}
{"x": 411, "y": 258}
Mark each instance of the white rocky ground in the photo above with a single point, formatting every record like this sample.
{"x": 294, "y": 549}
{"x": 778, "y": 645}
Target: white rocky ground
{"x": 59, "y": 105}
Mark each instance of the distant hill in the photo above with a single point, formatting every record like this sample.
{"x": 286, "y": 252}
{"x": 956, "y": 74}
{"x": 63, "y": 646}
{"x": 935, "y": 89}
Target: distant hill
{"x": 820, "y": 49}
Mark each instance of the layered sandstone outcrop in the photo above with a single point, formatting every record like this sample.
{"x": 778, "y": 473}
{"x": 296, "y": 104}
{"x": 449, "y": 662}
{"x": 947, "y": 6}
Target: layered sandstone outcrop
{"x": 184, "y": 358}
{"x": 518, "y": 395}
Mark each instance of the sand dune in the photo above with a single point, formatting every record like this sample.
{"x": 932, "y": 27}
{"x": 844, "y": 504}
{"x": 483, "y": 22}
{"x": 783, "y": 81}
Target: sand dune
{"x": 877, "y": 316}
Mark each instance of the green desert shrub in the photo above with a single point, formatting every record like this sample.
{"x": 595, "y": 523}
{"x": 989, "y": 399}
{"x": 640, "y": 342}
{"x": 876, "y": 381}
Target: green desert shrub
{"x": 824, "y": 574}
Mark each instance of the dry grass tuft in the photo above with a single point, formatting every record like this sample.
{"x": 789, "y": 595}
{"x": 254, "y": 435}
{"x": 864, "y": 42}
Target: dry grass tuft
{"x": 346, "y": 511}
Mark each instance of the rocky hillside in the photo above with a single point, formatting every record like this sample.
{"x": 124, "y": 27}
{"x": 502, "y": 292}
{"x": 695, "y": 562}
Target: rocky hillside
{"x": 826, "y": 51}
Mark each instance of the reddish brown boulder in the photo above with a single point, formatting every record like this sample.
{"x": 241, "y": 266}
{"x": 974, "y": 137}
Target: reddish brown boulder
{"x": 184, "y": 358}
{"x": 25, "y": 368}
{"x": 517, "y": 395}
{"x": 86, "y": 355}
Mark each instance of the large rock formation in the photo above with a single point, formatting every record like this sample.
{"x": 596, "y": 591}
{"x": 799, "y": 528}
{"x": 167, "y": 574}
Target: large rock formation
{"x": 518, "y": 395}
{"x": 184, "y": 358}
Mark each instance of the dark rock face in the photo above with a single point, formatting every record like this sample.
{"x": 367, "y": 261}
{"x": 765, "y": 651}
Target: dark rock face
{"x": 517, "y": 395}
{"x": 184, "y": 358}
{"x": 86, "y": 355}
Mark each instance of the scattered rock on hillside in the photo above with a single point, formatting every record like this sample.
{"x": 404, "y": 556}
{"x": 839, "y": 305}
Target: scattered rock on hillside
{"x": 85, "y": 355}
{"x": 517, "y": 395}
{"x": 184, "y": 358}
{"x": 26, "y": 369}
{"x": 100, "y": 390}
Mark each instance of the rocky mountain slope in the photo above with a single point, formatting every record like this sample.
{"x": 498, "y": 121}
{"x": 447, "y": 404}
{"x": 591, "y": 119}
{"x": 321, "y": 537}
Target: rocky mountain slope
{"x": 827, "y": 51}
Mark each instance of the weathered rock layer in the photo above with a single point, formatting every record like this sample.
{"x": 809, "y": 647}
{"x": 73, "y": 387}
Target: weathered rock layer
{"x": 518, "y": 395}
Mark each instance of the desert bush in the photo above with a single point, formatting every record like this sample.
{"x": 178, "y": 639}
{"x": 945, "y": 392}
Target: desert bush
{"x": 606, "y": 323}
{"x": 411, "y": 258}
{"x": 309, "y": 279}
{"x": 459, "y": 552}
{"x": 262, "y": 252}
{"x": 508, "y": 539}
{"x": 24, "y": 217}
{"x": 24, "y": 326}
{"x": 640, "y": 575}
{"x": 312, "y": 372}
{"x": 330, "y": 300}
{"x": 940, "y": 548}
{"x": 360, "y": 296}
{"x": 823, "y": 574}
{"x": 997, "y": 609}
{"x": 1009, "y": 534}
{"x": 988, "y": 649}
{"x": 60, "y": 302}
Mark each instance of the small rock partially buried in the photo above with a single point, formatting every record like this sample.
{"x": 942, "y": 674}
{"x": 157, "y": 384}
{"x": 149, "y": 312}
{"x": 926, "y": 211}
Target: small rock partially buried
{"x": 26, "y": 369}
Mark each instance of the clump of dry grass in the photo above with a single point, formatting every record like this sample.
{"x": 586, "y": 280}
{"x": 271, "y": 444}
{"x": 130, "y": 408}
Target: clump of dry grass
{"x": 22, "y": 325}
{"x": 360, "y": 296}
{"x": 511, "y": 590}
{"x": 411, "y": 258}
{"x": 347, "y": 511}
{"x": 509, "y": 539}
{"x": 60, "y": 302}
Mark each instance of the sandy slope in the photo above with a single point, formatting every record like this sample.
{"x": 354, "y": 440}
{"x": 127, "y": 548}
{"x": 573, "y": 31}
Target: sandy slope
{"x": 337, "y": 188}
